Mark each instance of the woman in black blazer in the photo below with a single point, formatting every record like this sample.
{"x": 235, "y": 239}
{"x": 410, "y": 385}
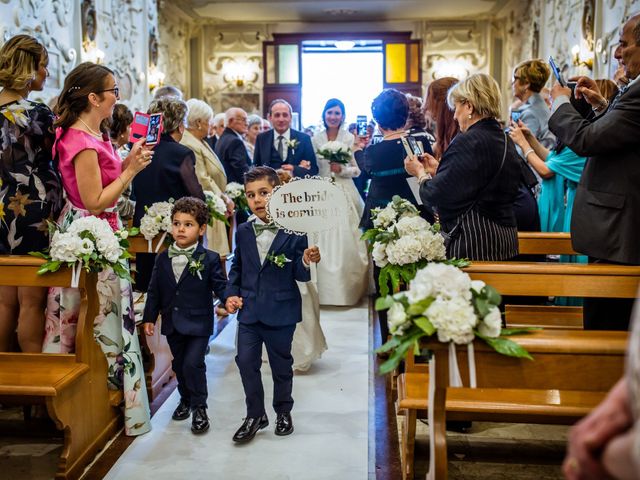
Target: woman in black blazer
{"x": 171, "y": 174}
{"x": 477, "y": 179}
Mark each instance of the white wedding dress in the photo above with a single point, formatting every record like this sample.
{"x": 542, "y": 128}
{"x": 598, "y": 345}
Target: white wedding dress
{"x": 308, "y": 340}
{"x": 343, "y": 270}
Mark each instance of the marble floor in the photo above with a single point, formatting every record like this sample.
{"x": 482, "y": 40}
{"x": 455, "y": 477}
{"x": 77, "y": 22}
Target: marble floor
{"x": 330, "y": 417}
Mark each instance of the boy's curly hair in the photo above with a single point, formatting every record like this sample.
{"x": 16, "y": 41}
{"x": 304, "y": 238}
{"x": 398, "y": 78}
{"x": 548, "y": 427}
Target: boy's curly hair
{"x": 194, "y": 207}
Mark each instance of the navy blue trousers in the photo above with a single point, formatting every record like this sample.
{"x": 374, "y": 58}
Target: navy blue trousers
{"x": 277, "y": 341}
{"x": 188, "y": 364}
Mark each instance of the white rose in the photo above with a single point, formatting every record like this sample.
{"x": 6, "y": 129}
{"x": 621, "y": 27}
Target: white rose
{"x": 397, "y": 319}
{"x": 87, "y": 247}
{"x": 477, "y": 285}
{"x": 491, "y": 324}
{"x": 385, "y": 217}
{"x": 379, "y": 254}
{"x": 124, "y": 234}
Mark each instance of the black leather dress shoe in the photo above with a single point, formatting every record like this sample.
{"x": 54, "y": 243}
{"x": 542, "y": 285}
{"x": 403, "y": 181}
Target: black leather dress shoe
{"x": 249, "y": 428}
{"x": 284, "y": 424}
{"x": 200, "y": 421}
{"x": 182, "y": 411}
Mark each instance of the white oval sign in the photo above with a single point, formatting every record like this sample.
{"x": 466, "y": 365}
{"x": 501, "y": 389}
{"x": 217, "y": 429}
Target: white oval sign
{"x": 308, "y": 205}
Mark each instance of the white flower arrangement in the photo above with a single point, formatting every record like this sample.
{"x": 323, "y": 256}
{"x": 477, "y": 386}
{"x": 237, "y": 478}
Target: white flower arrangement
{"x": 336, "y": 152}
{"x": 402, "y": 242}
{"x": 157, "y": 218}
{"x": 235, "y": 191}
{"x": 216, "y": 206}
{"x": 443, "y": 300}
{"x": 89, "y": 243}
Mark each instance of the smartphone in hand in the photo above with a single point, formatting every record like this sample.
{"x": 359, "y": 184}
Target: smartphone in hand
{"x": 411, "y": 146}
{"x": 556, "y": 72}
{"x": 361, "y": 125}
{"x": 147, "y": 126}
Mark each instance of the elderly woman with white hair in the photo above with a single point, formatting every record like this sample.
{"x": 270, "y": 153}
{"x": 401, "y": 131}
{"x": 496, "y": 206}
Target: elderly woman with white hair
{"x": 474, "y": 186}
{"x": 209, "y": 170}
{"x": 254, "y": 128}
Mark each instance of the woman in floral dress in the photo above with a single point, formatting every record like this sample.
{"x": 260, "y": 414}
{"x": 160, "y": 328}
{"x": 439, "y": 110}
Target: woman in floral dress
{"x": 29, "y": 186}
{"x": 94, "y": 177}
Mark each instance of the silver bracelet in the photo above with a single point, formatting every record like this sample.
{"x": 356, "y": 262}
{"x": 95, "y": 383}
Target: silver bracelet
{"x": 526, "y": 154}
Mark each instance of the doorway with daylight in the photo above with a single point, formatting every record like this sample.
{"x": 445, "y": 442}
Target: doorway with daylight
{"x": 349, "y": 70}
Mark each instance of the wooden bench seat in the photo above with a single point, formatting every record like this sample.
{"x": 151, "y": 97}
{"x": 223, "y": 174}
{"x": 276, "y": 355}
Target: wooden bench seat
{"x": 571, "y": 373}
{"x": 545, "y": 243}
{"x": 72, "y": 386}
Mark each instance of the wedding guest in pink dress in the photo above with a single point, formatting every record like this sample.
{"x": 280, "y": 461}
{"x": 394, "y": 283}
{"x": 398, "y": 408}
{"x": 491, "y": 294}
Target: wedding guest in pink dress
{"x": 94, "y": 177}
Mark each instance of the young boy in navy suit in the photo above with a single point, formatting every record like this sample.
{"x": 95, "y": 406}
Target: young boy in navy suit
{"x": 181, "y": 286}
{"x": 262, "y": 284}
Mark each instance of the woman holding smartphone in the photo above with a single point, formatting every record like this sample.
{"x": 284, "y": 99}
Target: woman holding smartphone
{"x": 94, "y": 177}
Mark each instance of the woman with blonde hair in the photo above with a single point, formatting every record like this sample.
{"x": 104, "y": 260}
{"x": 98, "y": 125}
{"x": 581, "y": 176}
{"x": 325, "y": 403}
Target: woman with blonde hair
{"x": 30, "y": 190}
{"x": 209, "y": 170}
{"x": 475, "y": 184}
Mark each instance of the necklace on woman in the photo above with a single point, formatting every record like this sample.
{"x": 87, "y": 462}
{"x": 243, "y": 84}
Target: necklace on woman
{"x": 397, "y": 132}
{"x": 91, "y": 130}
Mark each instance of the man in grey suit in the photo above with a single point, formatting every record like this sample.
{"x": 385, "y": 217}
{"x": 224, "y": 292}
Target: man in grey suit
{"x": 606, "y": 212}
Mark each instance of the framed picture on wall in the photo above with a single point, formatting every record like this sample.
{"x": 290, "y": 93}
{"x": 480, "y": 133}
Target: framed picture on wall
{"x": 53, "y": 81}
{"x": 249, "y": 102}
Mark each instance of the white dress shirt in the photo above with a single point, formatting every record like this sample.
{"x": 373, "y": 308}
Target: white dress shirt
{"x": 285, "y": 141}
{"x": 264, "y": 240}
{"x": 179, "y": 263}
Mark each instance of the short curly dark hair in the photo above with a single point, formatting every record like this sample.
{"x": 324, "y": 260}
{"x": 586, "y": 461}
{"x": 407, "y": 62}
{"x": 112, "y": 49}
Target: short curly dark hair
{"x": 194, "y": 207}
{"x": 390, "y": 109}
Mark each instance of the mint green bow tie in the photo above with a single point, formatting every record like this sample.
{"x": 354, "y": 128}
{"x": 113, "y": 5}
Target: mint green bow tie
{"x": 258, "y": 228}
{"x": 176, "y": 252}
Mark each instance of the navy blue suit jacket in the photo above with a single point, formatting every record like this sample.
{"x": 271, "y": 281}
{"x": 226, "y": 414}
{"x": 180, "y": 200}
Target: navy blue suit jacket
{"x": 186, "y": 306}
{"x": 233, "y": 154}
{"x": 269, "y": 293}
{"x": 266, "y": 154}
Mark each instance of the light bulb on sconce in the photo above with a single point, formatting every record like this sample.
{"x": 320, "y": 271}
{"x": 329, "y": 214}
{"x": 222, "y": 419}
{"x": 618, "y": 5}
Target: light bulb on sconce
{"x": 238, "y": 73}
{"x": 155, "y": 78}
{"x": 580, "y": 58}
{"x": 93, "y": 53}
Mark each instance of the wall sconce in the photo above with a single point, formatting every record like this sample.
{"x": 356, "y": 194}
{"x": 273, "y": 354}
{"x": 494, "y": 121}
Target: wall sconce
{"x": 581, "y": 58}
{"x": 155, "y": 78}
{"x": 93, "y": 53}
{"x": 238, "y": 73}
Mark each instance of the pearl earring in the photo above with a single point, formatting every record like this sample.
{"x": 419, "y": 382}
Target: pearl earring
{"x": 470, "y": 116}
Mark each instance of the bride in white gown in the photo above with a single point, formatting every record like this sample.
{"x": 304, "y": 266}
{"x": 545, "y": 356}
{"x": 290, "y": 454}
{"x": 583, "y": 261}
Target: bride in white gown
{"x": 343, "y": 271}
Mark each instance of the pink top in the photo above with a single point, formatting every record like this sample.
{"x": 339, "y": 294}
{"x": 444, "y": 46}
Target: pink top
{"x": 70, "y": 143}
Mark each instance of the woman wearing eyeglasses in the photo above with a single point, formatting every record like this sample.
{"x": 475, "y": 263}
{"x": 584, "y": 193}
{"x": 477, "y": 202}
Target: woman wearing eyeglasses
{"x": 94, "y": 177}
{"x": 29, "y": 186}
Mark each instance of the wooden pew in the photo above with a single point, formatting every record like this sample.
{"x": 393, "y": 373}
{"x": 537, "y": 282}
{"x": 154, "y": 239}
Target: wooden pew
{"x": 545, "y": 243}
{"x": 558, "y": 387}
{"x": 555, "y": 279}
{"x": 72, "y": 386}
{"x": 155, "y": 349}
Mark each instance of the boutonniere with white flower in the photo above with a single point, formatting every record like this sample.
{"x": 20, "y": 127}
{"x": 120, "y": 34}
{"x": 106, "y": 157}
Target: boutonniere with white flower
{"x": 293, "y": 144}
{"x": 196, "y": 266}
{"x": 278, "y": 260}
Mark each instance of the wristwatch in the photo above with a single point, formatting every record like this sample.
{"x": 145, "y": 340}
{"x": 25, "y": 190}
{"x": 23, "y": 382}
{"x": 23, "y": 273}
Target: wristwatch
{"x": 424, "y": 177}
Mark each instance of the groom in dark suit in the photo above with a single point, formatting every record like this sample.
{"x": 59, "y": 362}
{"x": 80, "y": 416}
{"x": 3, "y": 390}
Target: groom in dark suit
{"x": 285, "y": 148}
{"x": 606, "y": 210}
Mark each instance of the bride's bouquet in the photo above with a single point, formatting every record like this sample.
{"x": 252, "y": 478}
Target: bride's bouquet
{"x": 402, "y": 242}
{"x": 443, "y": 300}
{"x": 216, "y": 206}
{"x": 156, "y": 219}
{"x": 336, "y": 152}
{"x": 235, "y": 191}
{"x": 89, "y": 243}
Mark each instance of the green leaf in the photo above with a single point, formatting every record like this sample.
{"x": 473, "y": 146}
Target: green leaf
{"x": 425, "y": 324}
{"x": 134, "y": 231}
{"x": 492, "y": 295}
{"x": 384, "y": 303}
{"x": 505, "y": 332}
{"x": 507, "y": 347}
{"x": 418, "y": 308}
{"x": 390, "y": 344}
{"x": 482, "y": 306}
{"x": 39, "y": 255}
{"x": 383, "y": 282}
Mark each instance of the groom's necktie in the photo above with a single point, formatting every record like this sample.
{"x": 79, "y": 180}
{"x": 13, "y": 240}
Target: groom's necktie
{"x": 281, "y": 147}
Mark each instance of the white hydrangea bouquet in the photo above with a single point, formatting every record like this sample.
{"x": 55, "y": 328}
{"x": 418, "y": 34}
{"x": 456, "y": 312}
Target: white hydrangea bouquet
{"x": 235, "y": 191}
{"x": 89, "y": 243}
{"x": 216, "y": 206}
{"x": 336, "y": 152}
{"x": 443, "y": 300}
{"x": 402, "y": 242}
{"x": 156, "y": 219}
